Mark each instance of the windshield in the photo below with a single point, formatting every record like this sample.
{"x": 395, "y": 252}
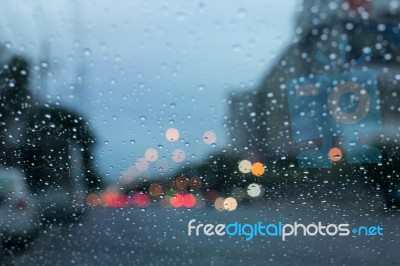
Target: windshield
{"x": 204, "y": 133}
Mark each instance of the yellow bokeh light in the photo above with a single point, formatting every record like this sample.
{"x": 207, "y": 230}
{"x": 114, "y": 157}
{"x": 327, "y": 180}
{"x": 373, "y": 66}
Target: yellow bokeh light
{"x": 209, "y": 137}
{"x": 257, "y": 169}
{"x": 245, "y": 166}
{"x": 151, "y": 155}
{"x": 172, "y": 134}
{"x": 230, "y": 204}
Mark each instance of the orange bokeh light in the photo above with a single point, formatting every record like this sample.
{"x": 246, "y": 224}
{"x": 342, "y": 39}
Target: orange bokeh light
{"x": 257, "y": 169}
{"x": 335, "y": 154}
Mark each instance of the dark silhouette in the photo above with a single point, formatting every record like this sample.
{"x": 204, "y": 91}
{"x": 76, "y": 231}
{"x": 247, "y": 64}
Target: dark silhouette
{"x": 48, "y": 141}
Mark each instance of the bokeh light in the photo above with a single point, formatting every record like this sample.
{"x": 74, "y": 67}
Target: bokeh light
{"x": 258, "y": 169}
{"x": 245, "y": 166}
{"x": 176, "y": 200}
{"x": 189, "y": 201}
{"x": 209, "y": 137}
{"x": 93, "y": 199}
{"x": 335, "y": 154}
{"x": 151, "y": 155}
{"x": 139, "y": 199}
{"x": 142, "y": 164}
{"x": 254, "y": 190}
{"x": 178, "y": 155}
{"x": 155, "y": 189}
{"x": 195, "y": 182}
{"x": 114, "y": 200}
{"x": 219, "y": 203}
{"x": 172, "y": 134}
{"x": 181, "y": 182}
{"x": 230, "y": 204}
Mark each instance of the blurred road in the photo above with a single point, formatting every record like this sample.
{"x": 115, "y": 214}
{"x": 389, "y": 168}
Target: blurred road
{"x": 157, "y": 236}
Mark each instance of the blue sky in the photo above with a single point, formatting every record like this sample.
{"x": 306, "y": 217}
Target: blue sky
{"x": 148, "y": 66}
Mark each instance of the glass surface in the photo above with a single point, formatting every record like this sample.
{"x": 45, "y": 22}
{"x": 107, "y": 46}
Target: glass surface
{"x": 204, "y": 133}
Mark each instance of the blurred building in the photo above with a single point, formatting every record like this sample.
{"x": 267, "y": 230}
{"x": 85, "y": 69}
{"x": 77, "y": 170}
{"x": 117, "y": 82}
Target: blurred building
{"x": 334, "y": 86}
{"x": 260, "y": 120}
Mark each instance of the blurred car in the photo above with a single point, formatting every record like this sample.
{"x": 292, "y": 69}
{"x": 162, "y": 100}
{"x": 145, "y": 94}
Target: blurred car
{"x": 19, "y": 219}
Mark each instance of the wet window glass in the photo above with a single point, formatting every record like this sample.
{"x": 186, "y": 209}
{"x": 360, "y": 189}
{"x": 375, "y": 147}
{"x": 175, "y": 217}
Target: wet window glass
{"x": 200, "y": 133}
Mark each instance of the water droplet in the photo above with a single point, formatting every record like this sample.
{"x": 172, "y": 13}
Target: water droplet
{"x": 87, "y": 52}
{"x": 236, "y": 48}
{"x": 8, "y": 45}
{"x": 180, "y": 16}
{"x": 242, "y": 12}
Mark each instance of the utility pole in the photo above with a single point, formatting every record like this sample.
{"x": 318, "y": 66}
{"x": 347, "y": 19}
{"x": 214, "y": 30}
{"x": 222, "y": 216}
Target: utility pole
{"x": 80, "y": 85}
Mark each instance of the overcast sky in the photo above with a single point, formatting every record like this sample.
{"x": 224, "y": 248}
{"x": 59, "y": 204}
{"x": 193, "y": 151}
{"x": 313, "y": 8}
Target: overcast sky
{"x": 147, "y": 66}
